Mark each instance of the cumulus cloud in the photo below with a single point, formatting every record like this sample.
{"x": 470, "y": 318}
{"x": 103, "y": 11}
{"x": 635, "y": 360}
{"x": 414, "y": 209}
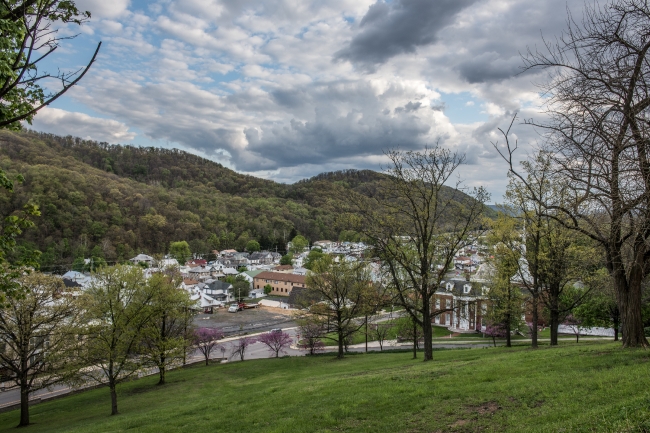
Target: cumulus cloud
{"x": 390, "y": 29}
{"x": 63, "y": 122}
{"x": 104, "y": 8}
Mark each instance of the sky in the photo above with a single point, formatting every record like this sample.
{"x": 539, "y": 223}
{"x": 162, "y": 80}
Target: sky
{"x": 287, "y": 89}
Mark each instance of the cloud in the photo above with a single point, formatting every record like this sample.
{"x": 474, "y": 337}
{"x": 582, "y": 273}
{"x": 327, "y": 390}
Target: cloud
{"x": 104, "y": 8}
{"x": 390, "y": 29}
{"x": 63, "y": 122}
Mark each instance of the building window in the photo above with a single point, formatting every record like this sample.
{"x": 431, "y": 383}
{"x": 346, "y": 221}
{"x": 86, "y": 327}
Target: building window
{"x": 467, "y": 288}
{"x": 448, "y": 304}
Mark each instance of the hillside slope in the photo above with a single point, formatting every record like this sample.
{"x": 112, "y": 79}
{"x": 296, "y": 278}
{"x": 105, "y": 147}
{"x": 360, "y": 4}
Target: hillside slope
{"x": 588, "y": 387}
{"x": 113, "y": 201}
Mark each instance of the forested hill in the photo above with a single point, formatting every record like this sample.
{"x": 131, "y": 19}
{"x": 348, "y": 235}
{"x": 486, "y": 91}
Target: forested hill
{"x": 112, "y": 202}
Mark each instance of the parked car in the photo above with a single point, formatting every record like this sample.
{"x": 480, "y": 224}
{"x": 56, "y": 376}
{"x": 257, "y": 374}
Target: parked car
{"x": 276, "y": 331}
{"x": 233, "y": 308}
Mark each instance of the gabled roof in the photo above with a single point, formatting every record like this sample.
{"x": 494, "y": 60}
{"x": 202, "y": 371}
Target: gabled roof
{"x": 219, "y": 285}
{"x": 253, "y": 274}
{"x": 462, "y": 288}
{"x": 142, "y": 258}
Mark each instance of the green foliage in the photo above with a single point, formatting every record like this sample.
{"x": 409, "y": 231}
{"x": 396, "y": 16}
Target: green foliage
{"x": 298, "y": 244}
{"x": 349, "y": 236}
{"x": 268, "y": 289}
{"x": 180, "y": 251}
{"x": 166, "y": 338}
{"x": 24, "y": 23}
{"x": 505, "y": 298}
{"x": 118, "y": 307}
{"x": 252, "y": 246}
{"x": 313, "y": 256}
{"x": 240, "y": 286}
{"x": 11, "y": 267}
{"x": 287, "y": 259}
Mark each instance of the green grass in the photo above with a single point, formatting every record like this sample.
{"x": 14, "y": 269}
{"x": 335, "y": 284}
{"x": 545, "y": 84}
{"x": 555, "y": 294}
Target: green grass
{"x": 589, "y": 387}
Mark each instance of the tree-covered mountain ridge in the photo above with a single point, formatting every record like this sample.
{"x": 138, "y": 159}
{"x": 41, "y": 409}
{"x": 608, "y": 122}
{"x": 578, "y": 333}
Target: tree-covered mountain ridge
{"x": 114, "y": 201}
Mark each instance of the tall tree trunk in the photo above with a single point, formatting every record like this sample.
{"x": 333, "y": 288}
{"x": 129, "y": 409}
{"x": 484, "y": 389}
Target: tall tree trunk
{"x": 617, "y": 323}
{"x": 112, "y": 385}
{"x": 535, "y": 318}
{"x": 508, "y": 332}
{"x": 554, "y": 313}
{"x": 24, "y": 402}
{"x": 340, "y": 334}
{"x": 366, "y": 333}
{"x": 628, "y": 292}
{"x": 631, "y": 318}
{"x": 415, "y": 339}
{"x": 161, "y": 374}
{"x": 554, "y": 317}
{"x": 427, "y": 329}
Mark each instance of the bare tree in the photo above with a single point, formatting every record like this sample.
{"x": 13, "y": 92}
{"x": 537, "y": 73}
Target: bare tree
{"x": 241, "y": 345}
{"x": 599, "y": 105}
{"x": 39, "y": 336}
{"x": 342, "y": 290}
{"x": 417, "y": 224}
{"x": 310, "y": 335}
{"x": 380, "y": 332}
{"x": 29, "y": 38}
{"x": 205, "y": 339}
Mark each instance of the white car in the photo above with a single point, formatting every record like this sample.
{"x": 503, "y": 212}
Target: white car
{"x": 233, "y": 308}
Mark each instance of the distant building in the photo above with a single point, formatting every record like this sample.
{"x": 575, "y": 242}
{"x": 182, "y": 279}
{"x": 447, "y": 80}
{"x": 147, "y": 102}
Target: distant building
{"x": 143, "y": 258}
{"x": 281, "y": 283}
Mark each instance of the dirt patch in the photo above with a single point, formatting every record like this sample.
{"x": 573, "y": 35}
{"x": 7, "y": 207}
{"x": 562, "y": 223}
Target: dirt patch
{"x": 459, "y": 423}
{"x": 488, "y": 408}
{"x": 254, "y": 320}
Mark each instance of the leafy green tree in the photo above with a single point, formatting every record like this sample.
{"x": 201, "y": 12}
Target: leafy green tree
{"x": 118, "y": 313}
{"x": 286, "y": 259}
{"x": 38, "y": 336}
{"x": 313, "y": 256}
{"x": 298, "y": 244}
{"x": 345, "y": 289}
{"x": 13, "y": 225}
{"x": 268, "y": 289}
{"x": 240, "y": 286}
{"x": 168, "y": 335}
{"x": 28, "y": 38}
{"x": 180, "y": 251}
{"x": 504, "y": 297}
{"x": 252, "y": 246}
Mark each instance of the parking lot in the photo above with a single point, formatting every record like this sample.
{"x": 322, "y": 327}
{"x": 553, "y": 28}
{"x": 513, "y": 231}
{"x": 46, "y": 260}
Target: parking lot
{"x": 252, "y": 320}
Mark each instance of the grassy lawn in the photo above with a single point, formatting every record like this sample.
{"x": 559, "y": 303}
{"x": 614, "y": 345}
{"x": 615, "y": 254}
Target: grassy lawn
{"x": 589, "y": 387}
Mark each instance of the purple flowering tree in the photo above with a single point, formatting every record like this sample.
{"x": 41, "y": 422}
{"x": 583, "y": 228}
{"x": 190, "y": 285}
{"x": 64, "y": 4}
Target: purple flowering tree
{"x": 276, "y": 342}
{"x": 205, "y": 339}
{"x": 495, "y": 331}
